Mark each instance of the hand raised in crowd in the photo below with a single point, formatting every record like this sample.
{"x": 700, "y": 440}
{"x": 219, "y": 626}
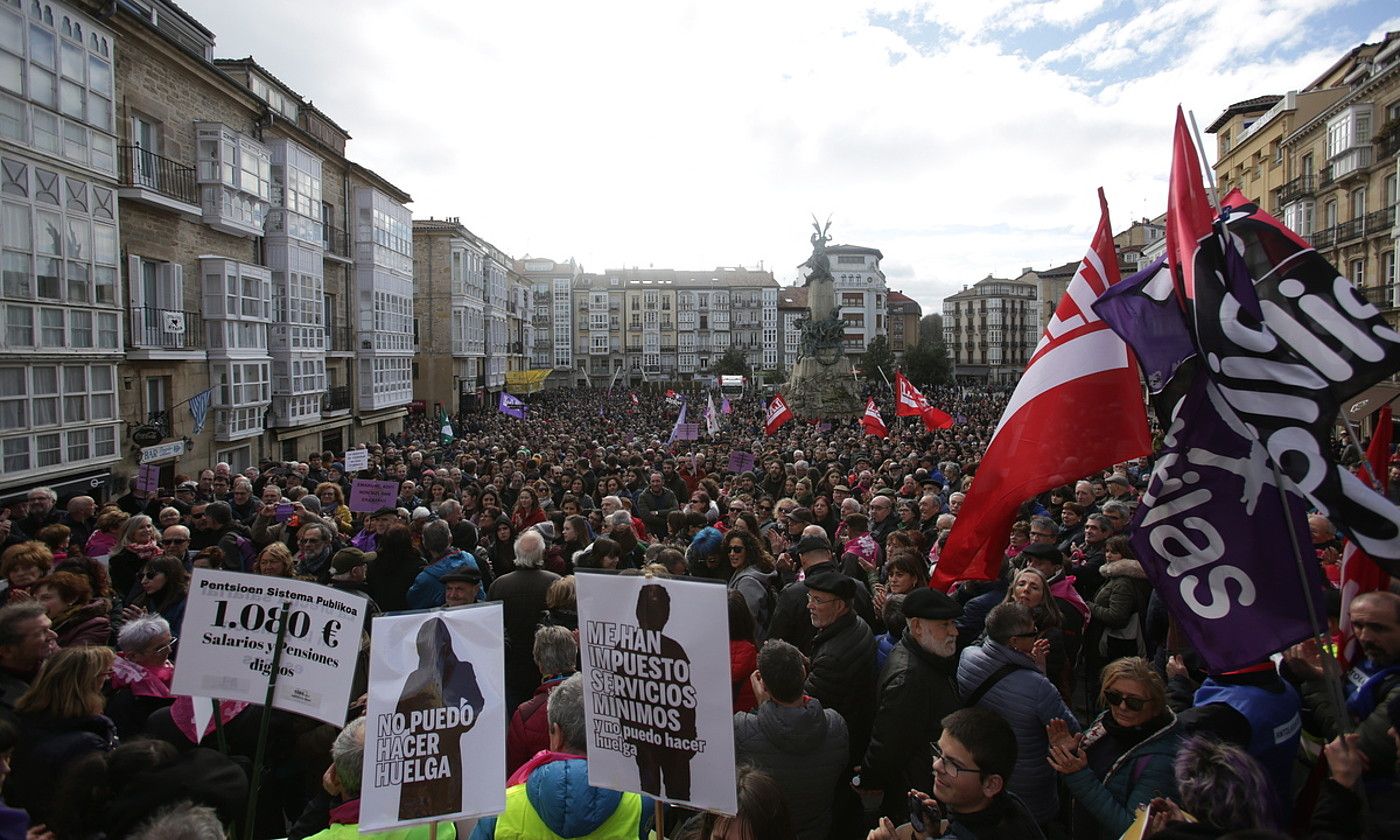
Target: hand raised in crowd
{"x": 1176, "y": 667}
{"x": 1305, "y": 659}
{"x": 1164, "y": 812}
{"x": 1040, "y": 652}
{"x": 1057, "y": 733}
{"x": 39, "y": 832}
{"x": 132, "y": 612}
{"x": 1066, "y": 756}
{"x": 1345, "y": 761}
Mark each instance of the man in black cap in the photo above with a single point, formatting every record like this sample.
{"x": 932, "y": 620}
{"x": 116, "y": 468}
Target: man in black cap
{"x": 918, "y": 687}
{"x": 460, "y": 586}
{"x": 842, "y": 673}
{"x": 349, "y": 567}
{"x": 791, "y": 621}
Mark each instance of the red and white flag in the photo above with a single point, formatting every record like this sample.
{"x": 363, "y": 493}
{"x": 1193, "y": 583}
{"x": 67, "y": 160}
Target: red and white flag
{"x": 873, "y": 423}
{"x": 908, "y": 402}
{"x": 778, "y": 414}
{"x": 1359, "y": 572}
{"x": 1077, "y": 409}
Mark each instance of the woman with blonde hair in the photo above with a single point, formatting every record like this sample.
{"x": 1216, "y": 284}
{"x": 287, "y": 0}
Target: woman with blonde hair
{"x": 275, "y": 561}
{"x": 136, "y": 544}
{"x": 1124, "y": 759}
{"x": 332, "y": 499}
{"x": 103, "y": 540}
{"x": 60, "y": 720}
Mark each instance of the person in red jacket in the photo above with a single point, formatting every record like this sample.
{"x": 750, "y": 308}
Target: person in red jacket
{"x": 556, "y": 655}
{"x": 743, "y": 652}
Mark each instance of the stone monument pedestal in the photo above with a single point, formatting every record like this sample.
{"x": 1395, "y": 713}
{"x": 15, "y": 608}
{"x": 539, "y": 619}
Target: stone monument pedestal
{"x": 827, "y": 392}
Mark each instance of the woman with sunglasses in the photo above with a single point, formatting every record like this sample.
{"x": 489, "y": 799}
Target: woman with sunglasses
{"x": 751, "y": 575}
{"x": 1124, "y": 759}
{"x": 161, "y": 588}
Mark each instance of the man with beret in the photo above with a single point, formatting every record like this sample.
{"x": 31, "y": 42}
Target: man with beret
{"x": 460, "y": 586}
{"x": 918, "y": 687}
{"x": 842, "y": 673}
{"x": 791, "y": 621}
{"x": 378, "y": 523}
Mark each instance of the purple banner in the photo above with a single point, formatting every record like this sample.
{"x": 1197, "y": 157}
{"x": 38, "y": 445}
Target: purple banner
{"x": 686, "y": 431}
{"x": 147, "y": 479}
{"x": 368, "y": 495}
{"x": 741, "y": 461}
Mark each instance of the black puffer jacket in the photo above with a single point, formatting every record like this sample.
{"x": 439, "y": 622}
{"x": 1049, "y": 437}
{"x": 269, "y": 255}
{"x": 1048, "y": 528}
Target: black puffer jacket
{"x": 47, "y": 747}
{"x": 917, "y": 690}
{"x": 805, "y": 748}
{"x": 842, "y": 676}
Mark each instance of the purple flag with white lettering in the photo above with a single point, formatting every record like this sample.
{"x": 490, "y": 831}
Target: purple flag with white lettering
{"x": 511, "y": 406}
{"x": 1211, "y": 531}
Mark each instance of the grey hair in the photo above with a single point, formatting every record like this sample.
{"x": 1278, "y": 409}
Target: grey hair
{"x": 1117, "y": 507}
{"x": 1100, "y": 520}
{"x": 47, "y": 491}
{"x": 613, "y": 499}
{"x": 185, "y": 821}
{"x": 138, "y": 633}
{"x": 529, "y": 551}
{"x": 1045, "y": 523}
{"x": 326, "y": 533}
{"x": 566, "y": 712}
{"x": 12, "y": 615}
{"x": 348, "y": 755}
{"x": 449, "y": 507}
{"x": 620, "y": 519}
{"x": 437, "y": 537}
{"x": 555, "y": 650}
{"x": 1222, "y": 785}
{"x": 1007, "y": 619}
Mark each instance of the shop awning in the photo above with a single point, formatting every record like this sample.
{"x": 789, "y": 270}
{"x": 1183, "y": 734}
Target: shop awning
{"x": 1370, "y": 401}
{"x": 527, "y": 381}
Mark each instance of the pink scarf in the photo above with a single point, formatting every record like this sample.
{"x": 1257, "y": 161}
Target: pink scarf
{"x": 143, "y": 681}
{"x": 145, "y": 550}
{"x": 540, "y": 758}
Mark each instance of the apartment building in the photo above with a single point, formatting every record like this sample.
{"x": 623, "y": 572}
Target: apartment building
{"x": 1324, "y": 160}
{"x": 860, "y": 294}
{"x": 62, "y": 396}
{"x": 246, "y": 241}
{"x": 903, "y": 318}
{"x": 473, "y": 319}
{"x": 990, "y": 329}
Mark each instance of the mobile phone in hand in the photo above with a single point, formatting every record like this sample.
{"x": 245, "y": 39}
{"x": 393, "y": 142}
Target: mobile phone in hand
{"x": 921, "y": 816}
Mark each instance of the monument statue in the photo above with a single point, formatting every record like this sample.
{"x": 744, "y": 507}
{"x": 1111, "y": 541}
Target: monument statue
{"x": 822, "y": 384}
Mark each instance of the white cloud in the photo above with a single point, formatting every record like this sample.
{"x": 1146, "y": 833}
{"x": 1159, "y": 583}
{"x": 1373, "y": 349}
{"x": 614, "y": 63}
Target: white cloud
{"x": 700, "y": 134}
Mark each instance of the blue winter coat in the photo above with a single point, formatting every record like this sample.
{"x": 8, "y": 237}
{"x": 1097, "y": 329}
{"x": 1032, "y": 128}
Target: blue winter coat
{"x": 1028, "y": 701}
{"x": 1135, "y": 778}
{"x": 427, "y": 589}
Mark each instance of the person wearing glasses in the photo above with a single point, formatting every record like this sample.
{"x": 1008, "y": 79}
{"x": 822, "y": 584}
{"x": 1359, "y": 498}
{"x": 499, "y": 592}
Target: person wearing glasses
{"x": 974, "y": 761}
{"x": 751, "y": 575}
{"x": 141, "y": 673}
{"x": 1006, "y": 675}
{"x": 175, "y": 542}
{"x": 1124, "y": 759}
{"x": 161, "y": 589}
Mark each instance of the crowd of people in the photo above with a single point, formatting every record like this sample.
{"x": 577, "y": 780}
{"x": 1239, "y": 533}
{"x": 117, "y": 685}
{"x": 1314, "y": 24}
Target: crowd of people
{"x": 1056, "y": 701}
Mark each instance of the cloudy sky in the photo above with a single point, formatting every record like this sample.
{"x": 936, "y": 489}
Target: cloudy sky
{"x": 961, "y": 137}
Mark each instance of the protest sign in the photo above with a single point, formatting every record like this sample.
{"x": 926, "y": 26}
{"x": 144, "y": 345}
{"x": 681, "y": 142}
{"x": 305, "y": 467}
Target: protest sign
{"x": 229, "y": 634}
{"x": 687, "y": 431}
{"x": 368, "y": 495}
{"x": 741, "y": 461}
{"x": 658, "y": 699}
{"x": 147, "y": 479}
{"x": 436, "y": 695}
{"x": 356, "y": 460}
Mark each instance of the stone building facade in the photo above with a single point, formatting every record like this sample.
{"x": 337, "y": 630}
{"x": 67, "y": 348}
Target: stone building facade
{"x": 991, "y": 330}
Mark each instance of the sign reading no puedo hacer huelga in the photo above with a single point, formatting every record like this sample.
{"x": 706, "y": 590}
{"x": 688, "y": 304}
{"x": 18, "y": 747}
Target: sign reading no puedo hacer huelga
{"x": 229, "y": 636}
{"x": 435, "y": 728}
{"x": 657, "y": 695}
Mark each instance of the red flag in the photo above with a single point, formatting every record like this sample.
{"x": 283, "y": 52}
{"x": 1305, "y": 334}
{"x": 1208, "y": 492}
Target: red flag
{"x": 1080, "y": 370}
{"x": 873, "y": 423}
{"x": 934, "y": 419}
{"x": 778, "y": 414}
{"x": 1359, "y": 572}
{"x": 908, "y": 402}
{"x": 1189, "y": 216}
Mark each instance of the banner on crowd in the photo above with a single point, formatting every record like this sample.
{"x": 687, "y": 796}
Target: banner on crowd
{"x": 740, "y": 461}
{"x": 436, "y": 696}
{"x": 228, "y": 642}
{"x": 368, "y": 495}
{"x": 147, "y": 479}
{"x": 657, "y": 695}
{"x": 356, "y": 460}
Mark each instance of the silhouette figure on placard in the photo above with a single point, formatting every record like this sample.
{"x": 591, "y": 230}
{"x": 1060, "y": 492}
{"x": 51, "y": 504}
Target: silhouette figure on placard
{"x": 440, "y": 681}
{"x": 661, "y": 739}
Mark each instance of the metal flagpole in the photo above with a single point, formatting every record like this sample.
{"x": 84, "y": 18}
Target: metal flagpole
{"x": 261, "y": 754}
{"x": 1356, "y": 445}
